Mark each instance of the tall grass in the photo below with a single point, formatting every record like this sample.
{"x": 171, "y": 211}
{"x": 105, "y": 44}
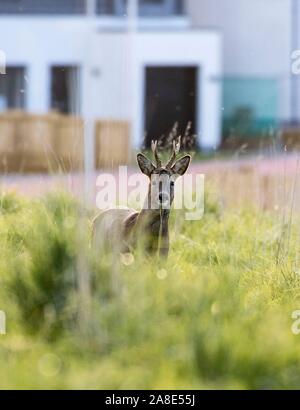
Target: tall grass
{"x": 217, "y": 314}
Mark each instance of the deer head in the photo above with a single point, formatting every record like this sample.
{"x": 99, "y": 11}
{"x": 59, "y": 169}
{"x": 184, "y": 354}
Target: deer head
{"x": 163, "y": 177}
{"x": 152, "y": 220}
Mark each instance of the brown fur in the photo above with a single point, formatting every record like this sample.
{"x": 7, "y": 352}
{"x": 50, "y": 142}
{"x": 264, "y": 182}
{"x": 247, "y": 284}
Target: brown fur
{"x": 120, "y": 229}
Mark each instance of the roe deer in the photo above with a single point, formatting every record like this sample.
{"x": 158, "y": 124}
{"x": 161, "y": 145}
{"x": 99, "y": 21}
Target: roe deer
{"x": 121, "y": 228}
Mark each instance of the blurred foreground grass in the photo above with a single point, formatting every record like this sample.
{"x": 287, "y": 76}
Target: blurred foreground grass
{"x": 217, "y": 314}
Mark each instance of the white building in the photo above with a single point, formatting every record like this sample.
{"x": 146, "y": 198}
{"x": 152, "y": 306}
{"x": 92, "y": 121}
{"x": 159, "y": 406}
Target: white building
{"x": 259, "y": 37}
{"x": 198, "y": 60}
{"x": 89, "y": 57}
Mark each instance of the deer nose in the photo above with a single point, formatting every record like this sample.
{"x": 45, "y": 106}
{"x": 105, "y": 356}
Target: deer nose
{"x": 163, "y": 198}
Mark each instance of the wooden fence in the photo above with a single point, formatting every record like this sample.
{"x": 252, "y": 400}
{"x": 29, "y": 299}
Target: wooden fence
{"x": 55, "y": 142}
{"x": 291, "y": 139}
{"x": 112, "y": 143}
{"x": 237, "y": 187}
{"x": 288, "y": 138}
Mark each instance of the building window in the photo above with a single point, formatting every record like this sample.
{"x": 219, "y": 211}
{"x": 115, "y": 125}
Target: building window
{"x": 160, "y": 7}
{"x": 105, "y": 7}
{"x": 42, "y": 7}
{"x": 149, "y": 8}
{"x": 250, "y": 106}
{"x": 111, "y": 7}
{"x": 65, "y": 89}
{"x": 12, "y": 88}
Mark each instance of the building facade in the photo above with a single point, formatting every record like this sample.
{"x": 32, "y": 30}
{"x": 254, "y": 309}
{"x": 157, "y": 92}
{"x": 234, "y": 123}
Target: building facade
{"x": 215, "y": 63}
{"x": 143, "y": 62}
{"x": 259, "y": 37}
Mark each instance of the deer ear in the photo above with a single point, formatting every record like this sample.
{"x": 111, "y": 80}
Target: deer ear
{"x": 180, "y": 167}
{"x": 145, "y": 165}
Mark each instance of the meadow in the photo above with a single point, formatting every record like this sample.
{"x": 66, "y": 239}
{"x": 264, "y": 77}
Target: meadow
{"x": 216, "y": 314}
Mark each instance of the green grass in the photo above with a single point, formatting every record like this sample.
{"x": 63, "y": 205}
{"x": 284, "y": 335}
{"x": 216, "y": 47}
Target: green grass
{"x": 217, "y": 314}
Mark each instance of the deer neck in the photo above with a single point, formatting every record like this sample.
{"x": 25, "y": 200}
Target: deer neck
{"x": 155, "y": 224}
{"x": 164, "y": 232}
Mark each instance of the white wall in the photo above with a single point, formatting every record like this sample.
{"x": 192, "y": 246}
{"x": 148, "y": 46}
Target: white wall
{"x": 201, "y": 49}
{"x": 256, "y": 37}
{"x": 38, "y": 44}
{"x": 112, "y": 66}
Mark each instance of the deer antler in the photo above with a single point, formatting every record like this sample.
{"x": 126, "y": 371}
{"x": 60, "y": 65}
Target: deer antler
{"x": 176, "y": 149}
{"x": 154, "y": 150}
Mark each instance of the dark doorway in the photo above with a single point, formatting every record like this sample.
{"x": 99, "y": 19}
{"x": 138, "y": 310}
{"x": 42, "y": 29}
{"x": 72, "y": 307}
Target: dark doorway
{"x": 13, "y": 88}
{"x": 171, "y": 96}
{"x": 64, "y": 89}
